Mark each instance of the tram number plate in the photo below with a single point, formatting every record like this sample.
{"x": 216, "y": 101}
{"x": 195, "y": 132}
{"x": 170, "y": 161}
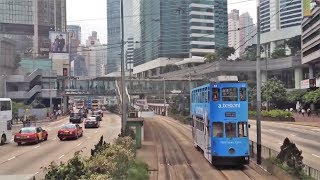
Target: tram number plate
{"x": 230, "y": 114}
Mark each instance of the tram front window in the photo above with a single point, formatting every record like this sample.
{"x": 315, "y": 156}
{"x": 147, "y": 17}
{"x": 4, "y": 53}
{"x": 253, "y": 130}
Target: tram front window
{"x": 230, "y": 94}
{"x": 231, "y": 130}
{"x": 242, "y": 129}
{"x": 217, "y": 129}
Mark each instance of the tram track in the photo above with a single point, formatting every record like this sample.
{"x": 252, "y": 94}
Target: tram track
{"x": 247, "y": 172}
{"x": 174, "y": 160}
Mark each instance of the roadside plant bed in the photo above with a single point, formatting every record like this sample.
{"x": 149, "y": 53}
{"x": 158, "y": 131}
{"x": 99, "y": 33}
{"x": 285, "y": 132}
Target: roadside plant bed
{"x": 273, "y": 115}
{"x": 288, "y": 163}
{"x": 107, "y": 161}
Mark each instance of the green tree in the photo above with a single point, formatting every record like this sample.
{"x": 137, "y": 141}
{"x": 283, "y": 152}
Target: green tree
{"x": 295, "y": 95}
{"x": 294, "y": 44}
{"x": 251, "y": 53}
{"x": 312, "y": 96}
{"x": 273, "y": 92}
{"x": 18, "y": 105}
{"x": 291, "y": 156}
{"x": 279, "y": 52}
{"x": 225, "y": 52}
{"x": 170, "y": 68}
{"x": 211, "y": 57}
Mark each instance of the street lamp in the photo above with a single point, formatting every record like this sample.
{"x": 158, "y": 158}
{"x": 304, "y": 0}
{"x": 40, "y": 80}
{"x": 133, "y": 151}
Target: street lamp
{"x": 164, "y": 96}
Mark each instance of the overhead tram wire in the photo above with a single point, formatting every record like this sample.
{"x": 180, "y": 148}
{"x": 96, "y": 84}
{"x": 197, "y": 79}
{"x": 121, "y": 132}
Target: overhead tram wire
{"x": 93, "y": 19}
{"x": 256, "y": 28}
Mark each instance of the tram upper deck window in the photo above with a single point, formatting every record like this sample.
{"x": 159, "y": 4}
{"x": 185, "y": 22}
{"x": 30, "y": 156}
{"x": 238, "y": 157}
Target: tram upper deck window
{"x": 217, "y": 129}
{"x": 231, "y": 130}
{"x": 243, "y": 94}
{"x": 230, "y": 94}
{"x": 242, "y": 129}
{"x": 215, "y": 94}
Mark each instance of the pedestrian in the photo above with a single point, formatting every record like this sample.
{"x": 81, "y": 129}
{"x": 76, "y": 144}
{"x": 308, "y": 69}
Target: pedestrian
{"x": 303, "y": 111}
{"x": 309, "y": 111}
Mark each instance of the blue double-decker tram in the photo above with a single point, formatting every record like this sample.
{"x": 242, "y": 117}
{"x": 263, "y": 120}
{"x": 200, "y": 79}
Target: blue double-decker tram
{"x": 220, "y": 121}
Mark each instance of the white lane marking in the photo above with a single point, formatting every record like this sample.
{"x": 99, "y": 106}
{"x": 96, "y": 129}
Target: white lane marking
{"x": 36, "y": 173}
{"x": 316, "y": 155}
{"x": 61, "y": 157}
{"x": 54, "y": 139}
{"x": 37, "y": 146}
{"x": 11, "y": 158}
{"x": 78, "y": 144}
{"x": 272, "y": 130}
{"x": 292, "y": 134}
{"x": 12, "y": 140}
{"x": 95, "y": 131}
{"x": 88, "y": 137}
{"x": 280, "y": 143}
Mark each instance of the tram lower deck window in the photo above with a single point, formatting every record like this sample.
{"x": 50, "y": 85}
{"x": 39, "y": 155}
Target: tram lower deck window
{"x": 242, "y": 129}
{"x": 231, "y": 130}
{"x": 217, "y": 129}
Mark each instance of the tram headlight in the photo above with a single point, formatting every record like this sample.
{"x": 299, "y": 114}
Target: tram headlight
{"x": 232, "y": 151}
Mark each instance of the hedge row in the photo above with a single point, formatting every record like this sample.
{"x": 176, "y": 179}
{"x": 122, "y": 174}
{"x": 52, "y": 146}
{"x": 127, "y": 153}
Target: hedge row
{"x": 273, "y": 114}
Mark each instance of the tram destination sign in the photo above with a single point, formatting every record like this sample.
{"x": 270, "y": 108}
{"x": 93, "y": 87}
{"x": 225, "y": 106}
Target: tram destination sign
{"x": 230, "y": 114}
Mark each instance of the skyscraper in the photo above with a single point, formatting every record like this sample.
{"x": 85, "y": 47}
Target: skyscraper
{"x": 28, "y": 23}
{"x": 233, "y": 31}
{"x": 280, "y": 20}
{"x": 247, "y": 31}
{"x": 161, "y": 28}
{"x": 114, "y": 36}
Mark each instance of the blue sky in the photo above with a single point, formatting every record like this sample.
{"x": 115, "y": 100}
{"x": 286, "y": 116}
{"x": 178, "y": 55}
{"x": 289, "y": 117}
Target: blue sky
{"x": 91, "y": 15}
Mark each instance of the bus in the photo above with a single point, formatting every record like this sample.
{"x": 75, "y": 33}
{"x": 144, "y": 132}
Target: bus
{"x": 5, "y": 120}
{"x": 220, "y": 121}
{"x": 95, "y": 104}
{"x": 80, "y": 104}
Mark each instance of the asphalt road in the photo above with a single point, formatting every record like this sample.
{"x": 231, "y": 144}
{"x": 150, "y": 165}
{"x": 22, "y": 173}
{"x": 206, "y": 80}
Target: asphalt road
{"x": 306, "y": 138}
{"x": 31, "y": 159}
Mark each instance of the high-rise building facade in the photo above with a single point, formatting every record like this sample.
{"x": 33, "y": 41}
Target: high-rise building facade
{"x": 233, "y": 31}
{"x": 114, "y": 36}
{"x": 95, "y": 56}
{"x": 28, "y": 22}
{"x": 129, "y": 53}
{"x": 161, "y": 28}
{"x": 247, "y": 31}
{"x": 280, "y": 20}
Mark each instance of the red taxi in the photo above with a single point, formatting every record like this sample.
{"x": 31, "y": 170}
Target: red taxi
{"x": 69, "y": 131}
{"x": 30, "y": 134}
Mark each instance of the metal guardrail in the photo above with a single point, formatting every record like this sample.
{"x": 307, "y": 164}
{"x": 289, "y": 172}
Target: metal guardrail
{"x": 267, "y": 152}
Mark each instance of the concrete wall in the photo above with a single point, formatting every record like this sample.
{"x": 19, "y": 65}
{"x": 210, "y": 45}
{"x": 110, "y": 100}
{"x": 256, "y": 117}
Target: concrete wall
{"x": 40, "y": 114}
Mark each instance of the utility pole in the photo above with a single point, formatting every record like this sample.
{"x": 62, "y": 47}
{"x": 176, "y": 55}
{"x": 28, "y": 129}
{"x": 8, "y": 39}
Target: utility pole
{"x": 124, "y": 109}
{"x": 258, "y": 69}
{"x": 164, "y": 96}
{"x": 190, "y": 99}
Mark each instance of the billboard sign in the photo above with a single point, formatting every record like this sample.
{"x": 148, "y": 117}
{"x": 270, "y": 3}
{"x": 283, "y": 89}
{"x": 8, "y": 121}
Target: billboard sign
{"x": 58, "y": 42}
{"x": 304, "y": 84}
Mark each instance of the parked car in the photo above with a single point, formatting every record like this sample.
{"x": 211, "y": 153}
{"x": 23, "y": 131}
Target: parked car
{"x": 70, "y": 131}
{"x": 76, "y": 118}
{"x": 92, "y": 121}
{"x": 30, "y": 134}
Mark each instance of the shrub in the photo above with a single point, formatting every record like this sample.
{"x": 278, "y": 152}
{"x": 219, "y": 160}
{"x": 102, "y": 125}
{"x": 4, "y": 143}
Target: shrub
{"x": 273, "y": 114}
{"x": 115, "y": 161}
